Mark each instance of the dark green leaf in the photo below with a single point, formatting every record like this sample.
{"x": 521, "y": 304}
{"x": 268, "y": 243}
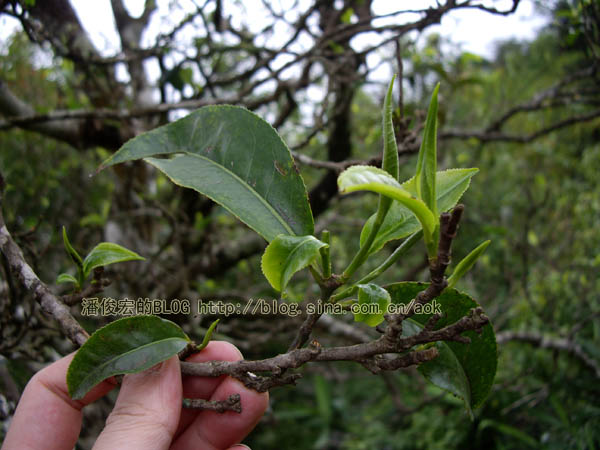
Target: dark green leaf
{"x": 371, "y": 294}
{"x": 473, "y": 376}
{"x": 237, "y": 159}
{"x": 445, "y": 371}
{"x": 401, "y": 222}
{"x": 128, "y": 345}
{"x": 107, "y": 253}
{"x": 286, "y": 255}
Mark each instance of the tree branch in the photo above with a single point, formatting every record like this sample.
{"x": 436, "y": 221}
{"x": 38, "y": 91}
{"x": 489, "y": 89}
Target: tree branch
{"x": 232, "y": 403}
{"x": 437, "y": 266}
{"x": 365, "y": 354}
{"x": 523, "y": 139}
{"x": 551, "y": 343}
{"x": 10, "y": 105}
{"x": 50, "y": 304}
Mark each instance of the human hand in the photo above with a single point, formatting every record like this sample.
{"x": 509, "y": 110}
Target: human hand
{"x": 147, "y": 415}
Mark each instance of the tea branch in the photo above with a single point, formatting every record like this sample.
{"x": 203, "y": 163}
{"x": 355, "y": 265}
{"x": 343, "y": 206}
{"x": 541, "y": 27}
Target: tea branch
{"x": 232, "y": 403}
{"x": 368, "y": 354}
{"x": 437, "y": 267}
{"x": 272, "y": 371}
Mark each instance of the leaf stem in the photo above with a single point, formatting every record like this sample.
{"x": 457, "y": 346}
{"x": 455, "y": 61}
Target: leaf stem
{"x": 363, "y": 253}
{"x": 315, "y": 273}
{"x": 325, "y": 254}
{"x": 400, "y": 251}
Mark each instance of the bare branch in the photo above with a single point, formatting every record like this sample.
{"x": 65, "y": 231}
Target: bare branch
{"x": 491, "y": 9}
{"x": 11, "y": 105}
{"x": 551, "y": 343}
{"x": 523, "y": 139}
{"x": 232, "y": 403}
{"x": 437, "y": 267}
{"x": 364, "y": 354}
{"x": 541, "y": 98}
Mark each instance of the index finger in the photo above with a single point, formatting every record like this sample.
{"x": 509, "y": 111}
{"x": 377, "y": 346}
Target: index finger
{"x": 46, "y": 416}
{"x": 211, "y": 430}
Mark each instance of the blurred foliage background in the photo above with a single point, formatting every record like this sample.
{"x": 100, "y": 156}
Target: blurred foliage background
{"x": 527, "y": 118}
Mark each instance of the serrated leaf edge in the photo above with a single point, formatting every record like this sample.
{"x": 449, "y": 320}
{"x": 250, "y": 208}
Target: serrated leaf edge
{"x": 282, "y": 286}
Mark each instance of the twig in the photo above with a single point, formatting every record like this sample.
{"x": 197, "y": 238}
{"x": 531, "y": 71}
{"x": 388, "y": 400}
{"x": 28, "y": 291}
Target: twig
{"x": 232, "y": 403}
{"x": 523, "y": 139}
{"x": 407, "y": 360}
{"x": 304, "y": 331}
{"x": 365, "y": 354}
{"x": 437, "y": 267}
{"x": 92, "y": 289}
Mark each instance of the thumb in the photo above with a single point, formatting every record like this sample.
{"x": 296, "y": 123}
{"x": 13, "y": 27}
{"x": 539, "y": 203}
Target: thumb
{"x": 147, "y": 410}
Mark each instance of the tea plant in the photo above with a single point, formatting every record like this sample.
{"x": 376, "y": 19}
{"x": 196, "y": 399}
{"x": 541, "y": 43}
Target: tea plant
{"x": 232, "y": 156}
